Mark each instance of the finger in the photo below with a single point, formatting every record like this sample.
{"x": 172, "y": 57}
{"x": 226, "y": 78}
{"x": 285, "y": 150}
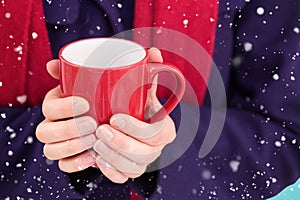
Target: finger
{"x": 56, "y": 151}
{"x": 51, "y": 132}
{"x": 155, "y": 134}
{"x": 56, "y": 108}
{"x": 117, "y": 160}
{"x": 78, "y": 162}
{"x": 155, "y": 55}
{"x": 53, "y": 68}
{"x": 110, "y": 172}
{"x": 127, "y": 146}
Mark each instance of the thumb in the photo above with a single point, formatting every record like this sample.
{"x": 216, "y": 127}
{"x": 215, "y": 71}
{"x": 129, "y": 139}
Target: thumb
{"x": 53, "y": 68}
{"x": 155, "y": 55}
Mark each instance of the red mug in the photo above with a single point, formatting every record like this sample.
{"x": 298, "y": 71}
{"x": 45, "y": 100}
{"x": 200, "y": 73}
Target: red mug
{"x": 114, "y": 76}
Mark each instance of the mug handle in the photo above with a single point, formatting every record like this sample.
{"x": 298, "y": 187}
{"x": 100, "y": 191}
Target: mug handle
{"x": 174, "y": 99}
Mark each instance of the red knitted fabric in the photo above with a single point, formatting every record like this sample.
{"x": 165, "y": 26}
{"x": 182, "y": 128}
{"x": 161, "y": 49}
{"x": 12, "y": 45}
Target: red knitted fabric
{"x": 194, "y": 18}
{"x": 24, "y": 52}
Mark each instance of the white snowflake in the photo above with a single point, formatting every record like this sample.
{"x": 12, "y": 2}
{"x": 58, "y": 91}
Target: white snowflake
{"x": 3, "y": 115}
{"x": 278, "y": 144}
{"x": 34, "y": 35}
{"x": 248, "y": 46}
{"x": 276, "y": 77}
{"x": 18, "y": 49}
{"x": 22, "y": 99}
{"x": 10, "y": 153}
{"x": 293, "y": 78}
{"x": 234, "y": 165}
{"x": 119, "y": 5}
{"x": 260, "y": 11}
{"x": 185, "y": 22}
{"x": 7, "y": 15}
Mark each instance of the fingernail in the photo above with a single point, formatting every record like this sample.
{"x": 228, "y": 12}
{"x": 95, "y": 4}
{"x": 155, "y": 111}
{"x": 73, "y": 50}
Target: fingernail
{"x": 105, "y": 133}
{"x": 88, "y": 141}
{"x": 100, "y": 147}
{"x": 89, "y": 160}
{"x": 103, "y": 163}
{"x": 154, "y": 49}
{"x": 86, "y": 125}
{"x": 80, "y": 106}
{"x": 118, "y": 122}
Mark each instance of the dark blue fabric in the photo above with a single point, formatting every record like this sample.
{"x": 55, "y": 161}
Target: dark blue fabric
{"x": 258, "y": 58}
{"x": 76, "y": 19}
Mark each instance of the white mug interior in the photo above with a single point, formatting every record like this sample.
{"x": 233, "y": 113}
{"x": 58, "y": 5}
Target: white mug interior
{"x": 103, "y": 53}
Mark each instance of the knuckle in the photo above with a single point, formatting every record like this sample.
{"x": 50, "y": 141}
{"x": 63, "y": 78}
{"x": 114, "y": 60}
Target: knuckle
{"x": 69, "y": 128}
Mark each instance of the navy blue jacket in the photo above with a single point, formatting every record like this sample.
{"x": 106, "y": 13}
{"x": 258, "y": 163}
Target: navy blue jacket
{"x": 257, "y": 53}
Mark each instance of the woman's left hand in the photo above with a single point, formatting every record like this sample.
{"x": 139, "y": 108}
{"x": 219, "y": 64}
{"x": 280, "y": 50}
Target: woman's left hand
{"x": 126, "y": 146}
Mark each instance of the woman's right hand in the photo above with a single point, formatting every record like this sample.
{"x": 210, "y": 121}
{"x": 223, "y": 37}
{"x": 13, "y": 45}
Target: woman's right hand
{"x": 67, "y": 133}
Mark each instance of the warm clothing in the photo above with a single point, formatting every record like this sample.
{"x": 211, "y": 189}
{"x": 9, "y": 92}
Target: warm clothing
{"x": 257, "y": 53}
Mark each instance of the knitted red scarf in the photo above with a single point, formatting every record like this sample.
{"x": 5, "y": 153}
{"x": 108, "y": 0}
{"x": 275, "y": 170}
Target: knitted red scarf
{"x": 194, "y": 18}
{"x": 24, "y": 51}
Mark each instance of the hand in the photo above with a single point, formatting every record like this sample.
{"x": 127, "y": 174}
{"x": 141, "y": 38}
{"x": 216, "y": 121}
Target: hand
{"x": 127, "y": 146}
{"x": 70, "y": 140}
{"x": 66, "y": 139}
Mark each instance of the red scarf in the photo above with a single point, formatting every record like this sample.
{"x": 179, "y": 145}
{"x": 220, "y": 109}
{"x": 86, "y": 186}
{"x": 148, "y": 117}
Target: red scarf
{"x": 194, "y": 18}
{"x": 24, "y": 52}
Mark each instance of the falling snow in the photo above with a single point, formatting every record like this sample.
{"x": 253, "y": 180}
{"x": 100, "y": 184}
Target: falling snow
{"x": 7, "y": 15}
{"x": 10, "y": 153}
{"x": 185, "y": 22}
{"x": 276, "y": 77}
{"x": 260, "y": 11}
{"x": 234, "y": 165}
{"x": 248, "y": 46}
{"x": 119, "y": 5}
{"x": 18, "y": 49}
{"x": 206, "y": 175}
{"x": 34, "y": 35}
{"x": 278, "y": 144}
{"x": 3, "y": 115}
{"x": 22, "y": 99}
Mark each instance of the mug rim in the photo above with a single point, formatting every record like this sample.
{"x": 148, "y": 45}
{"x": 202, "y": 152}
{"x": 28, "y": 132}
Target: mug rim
{"x": 62, "y": 59}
